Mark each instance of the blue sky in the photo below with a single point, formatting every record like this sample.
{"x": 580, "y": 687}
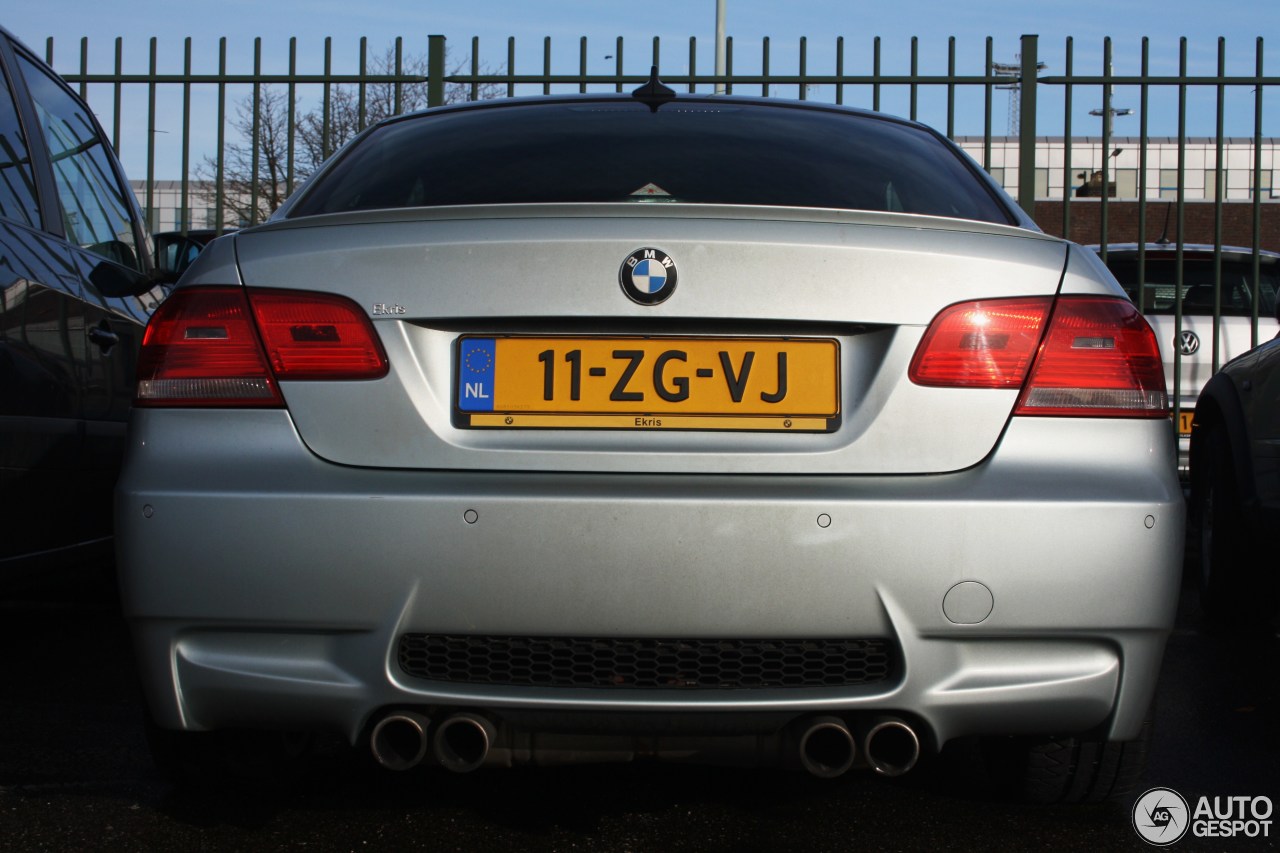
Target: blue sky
{"x": 1240, "y": 22}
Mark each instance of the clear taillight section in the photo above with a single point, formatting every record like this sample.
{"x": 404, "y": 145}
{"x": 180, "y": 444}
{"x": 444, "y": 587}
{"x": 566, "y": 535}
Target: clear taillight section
{"x": 1073, "y": 356}
{"x": 227, "y": 346}
{"x": 1099, "y": 357}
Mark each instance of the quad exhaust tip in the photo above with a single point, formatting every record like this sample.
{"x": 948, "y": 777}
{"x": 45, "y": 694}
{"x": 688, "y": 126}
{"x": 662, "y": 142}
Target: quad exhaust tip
{"x": 399, "y": 740}
{"x": 462, "y": 742}
{"x": 892, "y": 747}
{"x": 827, "y": 748}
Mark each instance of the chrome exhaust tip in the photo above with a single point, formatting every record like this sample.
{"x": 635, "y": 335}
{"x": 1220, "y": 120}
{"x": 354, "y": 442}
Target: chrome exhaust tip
{"x": 399, "y": 740}
{"x": 827, "y": 748}
{"x": 462, "y": 742}
{"x": 892, "y": 747}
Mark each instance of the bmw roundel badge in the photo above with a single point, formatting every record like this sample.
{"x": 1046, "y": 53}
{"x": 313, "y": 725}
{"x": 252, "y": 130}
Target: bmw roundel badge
{"x": 648, "y": 276}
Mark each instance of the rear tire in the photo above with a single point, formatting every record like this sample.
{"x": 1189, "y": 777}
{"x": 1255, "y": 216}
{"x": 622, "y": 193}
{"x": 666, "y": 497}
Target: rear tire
{"x": 229, "y": 762}
{"x": 1235, "y": 589}
{"x": 1068, "y": 769}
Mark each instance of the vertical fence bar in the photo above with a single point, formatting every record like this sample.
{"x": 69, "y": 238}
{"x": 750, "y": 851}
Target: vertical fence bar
{"x": 951, "y": 88}
{"x": 915, "y": 69}
{"x": 219, "y": 186}
{"x": 48, "y": 51}
{"x": 617, "y": 64}
{"x": 657, "y": 54}
{"x": 291, "y": 104}
{"x": 1257, "y": 195}
{"x": 728, "y": 64}
{"x": 582, "y": 65}
{"x": 1104, "y": 235}
{"x": 764, "y": 67}
{"x": 326, "y": 108}
{"x": 1217, "y": 206}
{"x": 840, "y": 68}
{"x": 875, "y": 72}
{"x": 546, "y": 65}
{"x": 115, "y": 121}
{"x": 186, "y": 136}
{"x": 362, "y": 89}
{"x": 804, "y": 68}
{"x": 1067, "y": 178}
{"x": 1178, "y": 277}
{"x": 1144, "y": 97}
{"x": 987, "y": 90}
{"x": 256, "y": 137}
{"x": 475, "y": 65}
{"x": 435, "y": 72}
{"x": 397, "y": 105}
{"x": 1027, "y": 86}
{"x": 84, "y": 68}
{"x": 511, "y": 68}
{"x": 153, "y": 220}
{"x": 693, "y": 63}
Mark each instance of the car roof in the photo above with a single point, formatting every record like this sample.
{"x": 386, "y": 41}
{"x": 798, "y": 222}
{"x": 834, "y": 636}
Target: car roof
{"x": 1166, "y": 248}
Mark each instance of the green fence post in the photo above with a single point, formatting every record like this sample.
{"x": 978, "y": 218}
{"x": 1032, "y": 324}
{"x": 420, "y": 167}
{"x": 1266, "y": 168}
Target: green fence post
{"x": 435, "y": 71}
{"x": 1027, "y": 129}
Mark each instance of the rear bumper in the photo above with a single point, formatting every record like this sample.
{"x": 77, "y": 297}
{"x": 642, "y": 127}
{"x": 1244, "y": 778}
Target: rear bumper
{"x": 266, "y": 587}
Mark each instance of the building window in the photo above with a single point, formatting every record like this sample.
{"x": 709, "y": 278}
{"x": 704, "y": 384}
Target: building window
{"x": 1169, "y": 183}
{"x": 1126, "y": 182}
{"x": 997, "y": 172}
{"x": 1042, "y": 183}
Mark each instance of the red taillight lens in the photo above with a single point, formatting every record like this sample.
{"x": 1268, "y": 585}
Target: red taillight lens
{"x": 204, "y": 346}
{"x": 985, "y": 344}
{"x": 1099, "y": 358}
{"x": 317, "y": 336}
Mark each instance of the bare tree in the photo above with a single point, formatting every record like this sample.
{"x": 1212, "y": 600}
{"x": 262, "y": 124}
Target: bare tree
{"x": 252, "y": 174}
{"x": 318, "y": 132}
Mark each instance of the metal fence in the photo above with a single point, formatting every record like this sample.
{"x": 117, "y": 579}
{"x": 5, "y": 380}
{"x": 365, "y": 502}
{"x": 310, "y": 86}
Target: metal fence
{"x": 857, "y": 75}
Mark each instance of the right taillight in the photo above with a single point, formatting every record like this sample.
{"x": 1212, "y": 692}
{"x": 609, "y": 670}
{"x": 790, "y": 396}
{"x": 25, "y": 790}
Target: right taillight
{"x": 1097, "y": 357}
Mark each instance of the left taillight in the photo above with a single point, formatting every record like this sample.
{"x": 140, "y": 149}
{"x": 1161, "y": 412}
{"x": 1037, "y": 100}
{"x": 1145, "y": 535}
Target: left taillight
{"x": 228, "y": 346}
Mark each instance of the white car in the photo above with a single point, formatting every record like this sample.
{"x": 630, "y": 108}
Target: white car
{"x": 1189, "y": 348}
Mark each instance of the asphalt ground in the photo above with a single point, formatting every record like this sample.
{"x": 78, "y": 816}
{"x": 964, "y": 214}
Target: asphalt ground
{"x": 75, "y": 773}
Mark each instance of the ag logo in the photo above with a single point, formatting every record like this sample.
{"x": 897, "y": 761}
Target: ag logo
{"x": 1161, "y": 816}
{"x": 1188, "y": 342}
{"x": 648, "y": 276}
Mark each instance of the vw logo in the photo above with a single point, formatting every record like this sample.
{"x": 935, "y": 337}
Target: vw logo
{"x": 1188, "y": 342}
{"x": 648, "y": 276}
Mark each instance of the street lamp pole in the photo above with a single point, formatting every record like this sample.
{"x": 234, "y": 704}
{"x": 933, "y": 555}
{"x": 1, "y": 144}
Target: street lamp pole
{"x": 720, "y": 60}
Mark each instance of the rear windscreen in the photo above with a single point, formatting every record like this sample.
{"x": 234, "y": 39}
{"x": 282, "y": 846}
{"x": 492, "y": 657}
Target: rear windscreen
{"x": 1159, "y": 279}
{"x": 701, "y": 153}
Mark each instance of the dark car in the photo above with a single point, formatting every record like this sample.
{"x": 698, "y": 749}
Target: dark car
{"x": 1235, "y": 487}
{"x": 76, "y": 288}
{"x": 175, "y": 250}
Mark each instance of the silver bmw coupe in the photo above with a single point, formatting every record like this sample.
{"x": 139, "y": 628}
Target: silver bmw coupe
{"x": 593, "y": 427}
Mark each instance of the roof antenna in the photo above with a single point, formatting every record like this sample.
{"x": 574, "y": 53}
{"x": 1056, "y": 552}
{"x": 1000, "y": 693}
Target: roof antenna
{"x": 1164, "y": 232}
{"x": 654, "y": 93}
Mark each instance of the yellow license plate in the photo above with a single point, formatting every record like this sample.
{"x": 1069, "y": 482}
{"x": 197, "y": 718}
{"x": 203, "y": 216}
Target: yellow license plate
{"x": 1184, "y": 422}
{"x": 780, "y": 384}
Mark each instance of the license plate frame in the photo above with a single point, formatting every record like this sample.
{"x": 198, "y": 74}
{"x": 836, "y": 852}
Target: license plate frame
{"x": 633, "y": 382}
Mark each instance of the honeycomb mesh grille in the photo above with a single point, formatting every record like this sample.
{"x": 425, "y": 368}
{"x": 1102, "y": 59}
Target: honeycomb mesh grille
{"x": 645, "y": 664}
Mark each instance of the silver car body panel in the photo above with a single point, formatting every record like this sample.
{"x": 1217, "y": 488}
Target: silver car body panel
{"x": 268, "y": 586}
{"x": 510, "y": 270}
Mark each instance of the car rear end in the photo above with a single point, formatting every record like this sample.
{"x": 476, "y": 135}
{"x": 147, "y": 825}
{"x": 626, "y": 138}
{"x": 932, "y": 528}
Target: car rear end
{"x": 518, "y": 481}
